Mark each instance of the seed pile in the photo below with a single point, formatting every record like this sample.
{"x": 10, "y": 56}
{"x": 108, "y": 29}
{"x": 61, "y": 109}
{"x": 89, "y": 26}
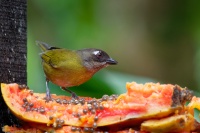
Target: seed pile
{"x": 58, "y": 123}
{"x": 91, "y": 107}
{"x": 86, "y": 130}
{"x": 29, "y": 106}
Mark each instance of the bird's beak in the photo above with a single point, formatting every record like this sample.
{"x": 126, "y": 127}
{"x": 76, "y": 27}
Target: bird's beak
{"x": 110, "y": 61}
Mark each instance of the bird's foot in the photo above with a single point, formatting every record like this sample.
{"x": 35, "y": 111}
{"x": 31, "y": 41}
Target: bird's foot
{"x": 74, "y": 96}
{"x": 48, "y": 98}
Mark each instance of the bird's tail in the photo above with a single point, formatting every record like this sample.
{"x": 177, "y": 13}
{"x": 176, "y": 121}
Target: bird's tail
{"x": 43, "y": 46}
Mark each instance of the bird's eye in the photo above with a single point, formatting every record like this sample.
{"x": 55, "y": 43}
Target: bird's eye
{"x": 98, "y": 54}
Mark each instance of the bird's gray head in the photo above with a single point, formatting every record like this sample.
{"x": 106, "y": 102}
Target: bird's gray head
{"x": 95, "y": 59}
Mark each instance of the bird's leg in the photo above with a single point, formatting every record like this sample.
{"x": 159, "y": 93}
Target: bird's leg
{"x": 48, "y": 95}
{"x": 73, "y": 94}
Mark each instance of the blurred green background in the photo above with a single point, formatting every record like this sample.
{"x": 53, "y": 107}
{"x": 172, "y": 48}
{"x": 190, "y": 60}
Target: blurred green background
{"x": 152, "y": 40}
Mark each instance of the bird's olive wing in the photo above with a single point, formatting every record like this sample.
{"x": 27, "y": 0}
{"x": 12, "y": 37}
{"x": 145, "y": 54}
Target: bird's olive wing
{"x": 60, "y": 58}
{"x": 47, "y": 59}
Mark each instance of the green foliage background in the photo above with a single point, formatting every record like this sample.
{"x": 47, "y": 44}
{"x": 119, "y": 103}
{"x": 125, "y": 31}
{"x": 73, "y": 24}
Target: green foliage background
{"x": 152, "y": 40}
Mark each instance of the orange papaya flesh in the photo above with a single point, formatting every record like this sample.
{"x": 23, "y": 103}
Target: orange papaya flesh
{"x": 10, "y": 129}
{"x": 72, "y": 129}
{"x": 64, "y": 129}
{"x": 139, "y": 103}
{"x": 37, "y": 128}
{"x": 175, "y": 124}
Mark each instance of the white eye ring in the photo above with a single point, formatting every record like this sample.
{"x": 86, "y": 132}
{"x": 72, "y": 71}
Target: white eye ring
{"x": 97, "y": 53}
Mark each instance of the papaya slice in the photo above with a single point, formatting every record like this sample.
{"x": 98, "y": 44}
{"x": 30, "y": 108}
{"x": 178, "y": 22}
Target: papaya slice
{"x": 10, "y": 129}
{"x": 65, "y": 129}
{"x": 141, "y": 102}
{"x": 175, "y": 123}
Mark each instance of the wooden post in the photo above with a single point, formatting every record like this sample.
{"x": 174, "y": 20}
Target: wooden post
{"x": 13, "y": 49}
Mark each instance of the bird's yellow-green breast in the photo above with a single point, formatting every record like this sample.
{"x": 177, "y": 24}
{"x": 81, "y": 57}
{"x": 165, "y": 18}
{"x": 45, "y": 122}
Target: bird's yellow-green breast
{"x": 64, "y": 67}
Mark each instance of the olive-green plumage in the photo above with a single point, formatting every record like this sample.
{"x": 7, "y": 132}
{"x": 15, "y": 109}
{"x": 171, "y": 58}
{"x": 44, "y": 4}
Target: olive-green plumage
{"x": 67, "y": 68}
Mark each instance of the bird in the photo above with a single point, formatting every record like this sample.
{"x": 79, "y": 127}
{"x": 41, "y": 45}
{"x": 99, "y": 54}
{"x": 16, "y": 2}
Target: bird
{"x": 67, "y": 68}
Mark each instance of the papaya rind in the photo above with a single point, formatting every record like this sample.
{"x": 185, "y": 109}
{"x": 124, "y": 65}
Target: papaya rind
{"x": 175, "y": 123}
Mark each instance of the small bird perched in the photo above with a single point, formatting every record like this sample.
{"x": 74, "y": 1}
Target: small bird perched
{"x": 67, "y": 68}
